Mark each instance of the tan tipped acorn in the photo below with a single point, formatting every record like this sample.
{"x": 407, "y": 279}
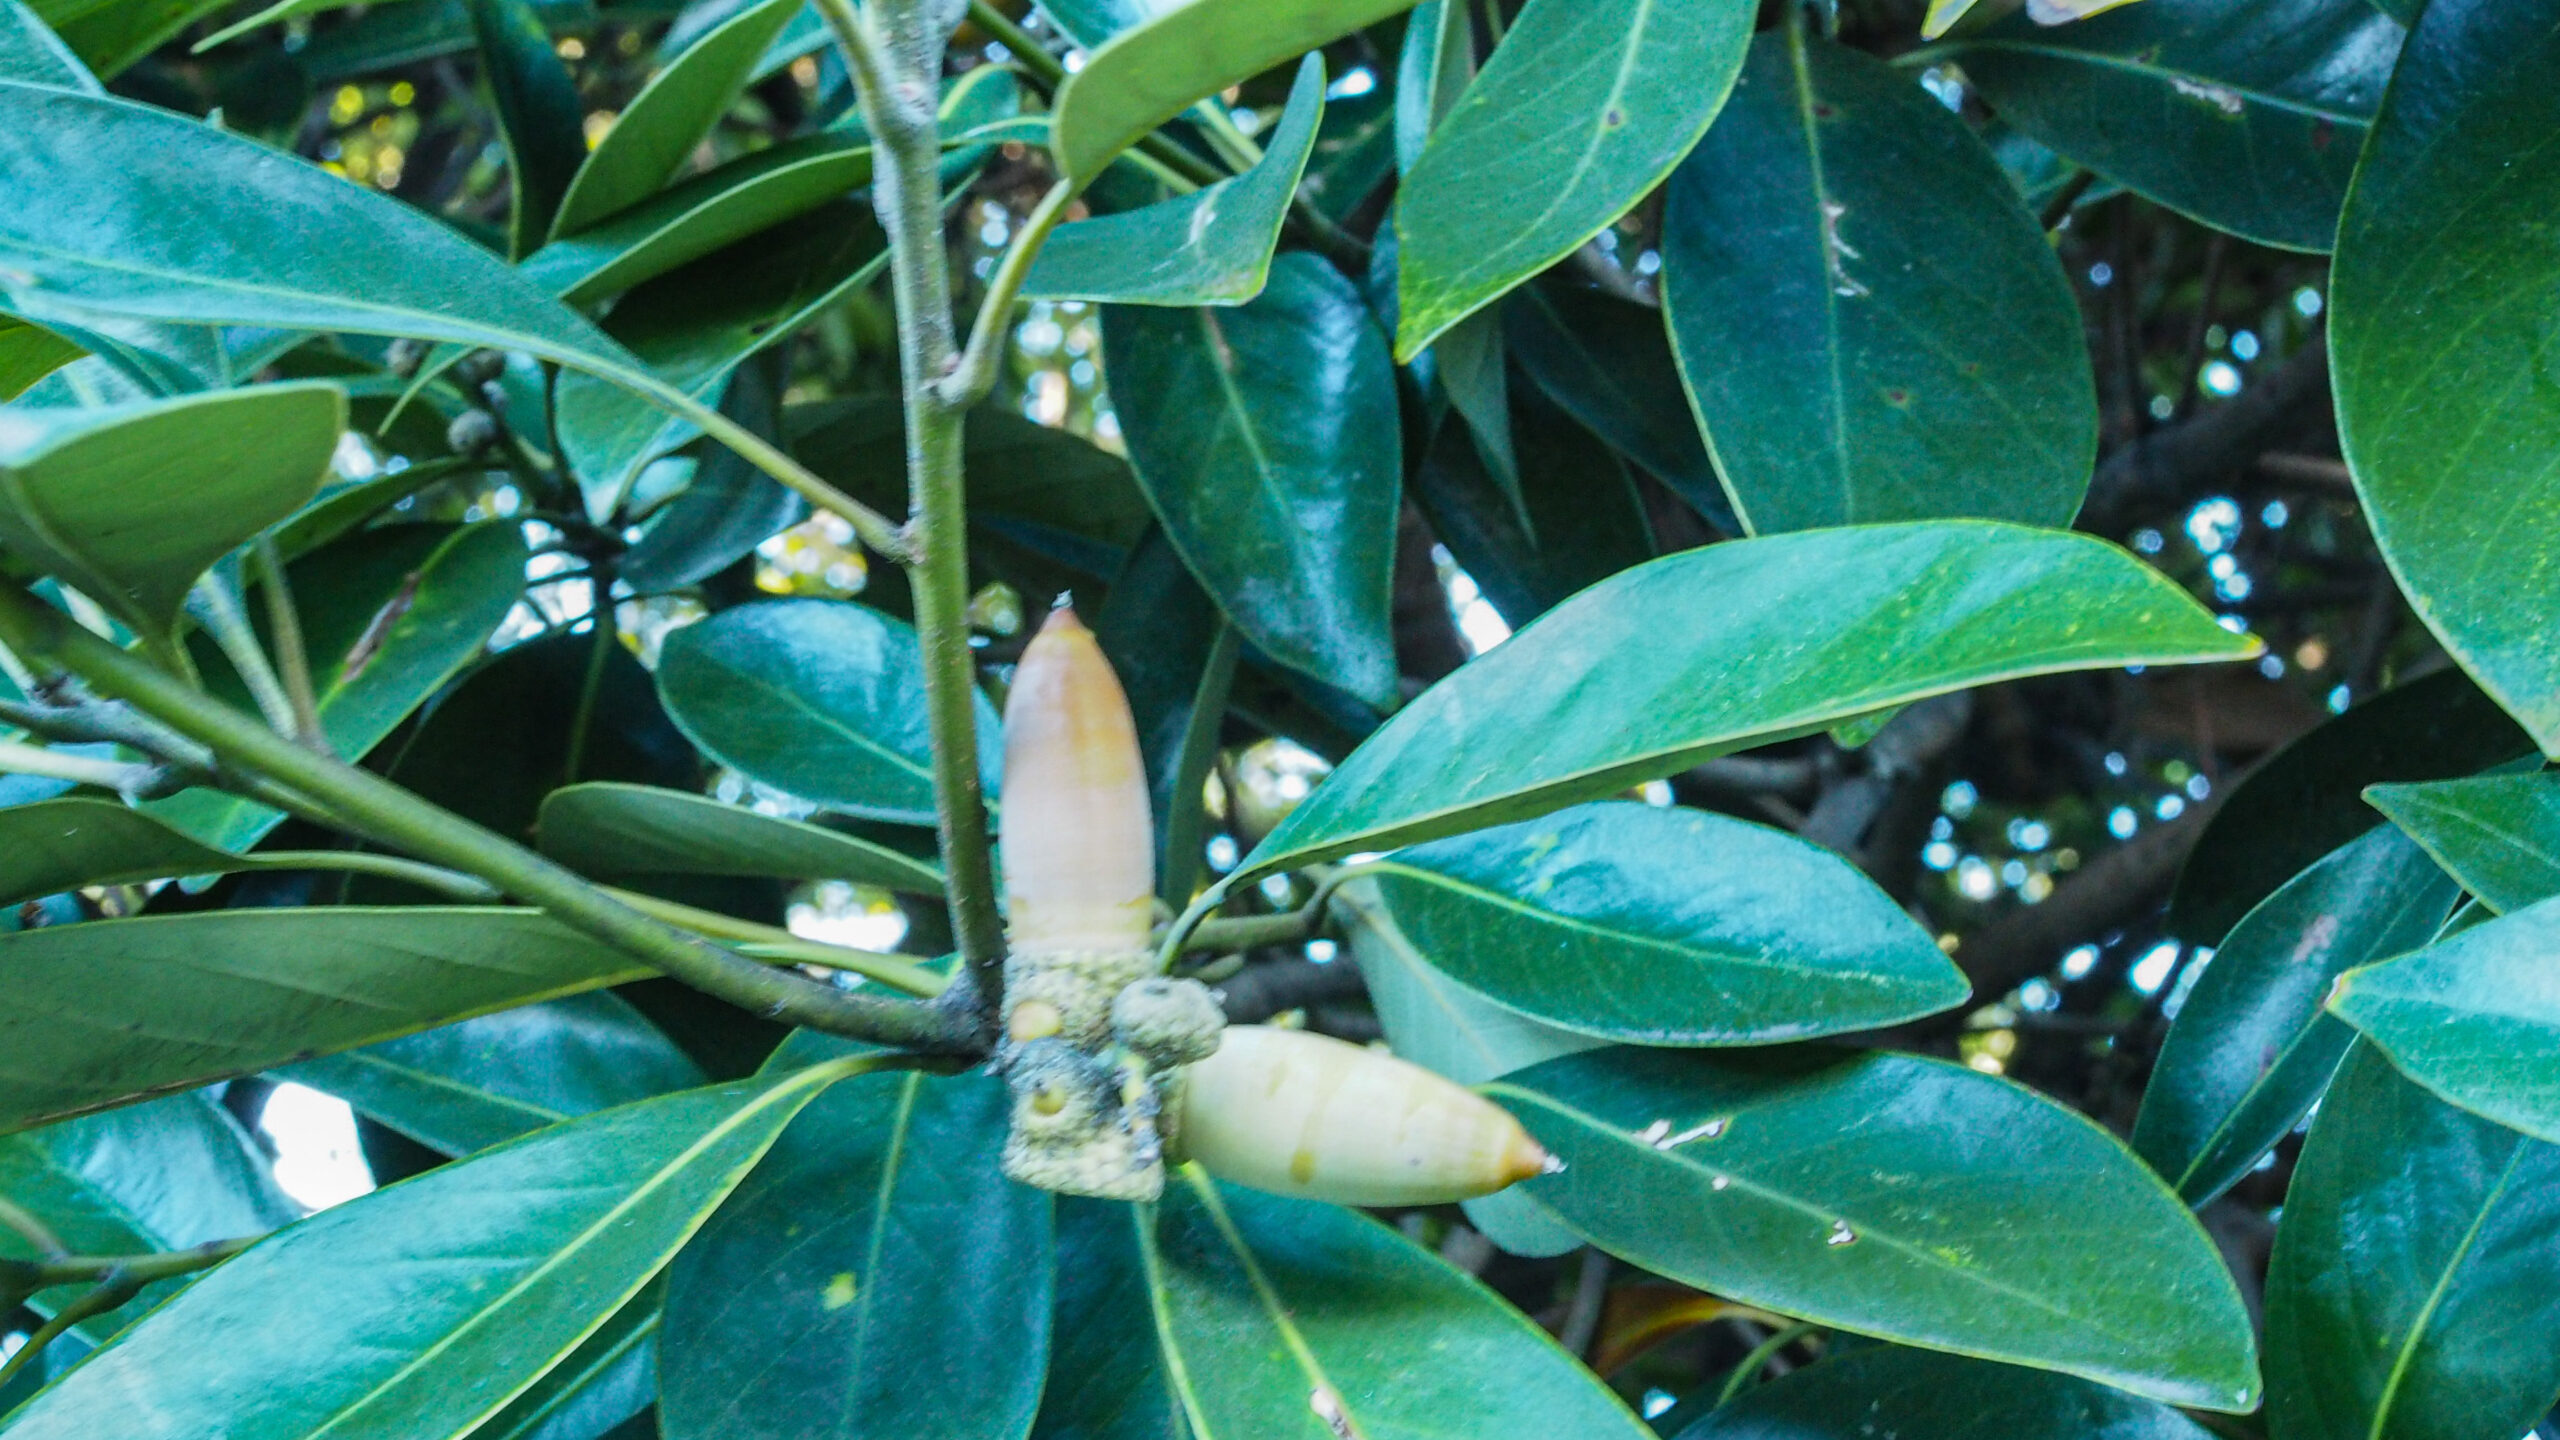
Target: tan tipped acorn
{"x": 1311, "y": 1116}
{"x": 1079, "y": 845}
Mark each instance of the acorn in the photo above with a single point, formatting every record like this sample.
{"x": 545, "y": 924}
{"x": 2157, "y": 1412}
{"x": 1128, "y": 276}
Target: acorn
{"x": 1306, "y": 1115}
{"x": 1078, "y": 840}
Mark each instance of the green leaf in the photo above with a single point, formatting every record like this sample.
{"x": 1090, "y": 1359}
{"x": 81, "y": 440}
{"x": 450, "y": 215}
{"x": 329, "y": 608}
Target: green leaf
{"x": 876, "y": 1277}
{"x": 30, "y": 51}
{"x": 2301, "y": 803}
{"x": 28, "y": 353}
{"x": 539, "y": 116}
{"x": 113, "y": 36}
{"x": 1266, "y": 438}
{"x": 1432, "y": 71}
{"x": 610, "y": 1377}
{"x": 2416, "y": 1271}
{"x": 1884, "y": 1194}
{"x": 2251, "y": 1050}
{"x": 669, "y": 117}
{"x": 2245, "y": 117}
{"x": 1609, "y": 364}
{"x": 1589, "y": 522}
{"x": 199, "y": 226}
{"x": 727, "y": 506}
{"x": 819, "y": 698}
{"x": 1296, "y": 1320}
{"x": 608, "y": 829}
{"x": 1666, "y": 927}
{"x": 58, "y": 845}
{"x": 2497, "y": 834}
{"x": 2444, "y": 296}
{"x": 1153, "y": 72}
{"x": 1175, "y": 656}
{"x": 1107, "y": 1377}
{"x": 390, "y": 616}
{"x": 482, "y": 1082}
{"x": 131, "y": 503}
{"x": 424, "y": 1308}
{"x": 168, "y": 1175}
{"x": 1583, "y": 108}
{"x": 1869, "y": 321}
{"x": 1790, "y": 634}
{"x": 1210, "y": 247}
{"x": 1923, "y": 1395}
{"x": 2474, "y": 1017}
{"x": 1473, "y": 371}
{"x": 101, "y": 1014}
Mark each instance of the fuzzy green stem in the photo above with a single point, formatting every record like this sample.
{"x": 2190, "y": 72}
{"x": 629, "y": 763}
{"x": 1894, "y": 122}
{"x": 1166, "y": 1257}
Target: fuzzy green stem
{"x": 293, "y": 655}
{"x": 379, "y": 808}
{"x": 217, "y": 605}
{"x": 19, "y": 758}
{"x": 976, "y": 376}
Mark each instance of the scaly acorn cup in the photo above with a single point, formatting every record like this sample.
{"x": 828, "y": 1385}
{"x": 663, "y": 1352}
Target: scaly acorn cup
{"x": 1310, "y": 1116}
{"x": 1079, "y": 874}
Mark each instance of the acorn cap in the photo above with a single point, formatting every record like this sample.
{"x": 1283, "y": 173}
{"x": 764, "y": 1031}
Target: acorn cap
{"x": 1078, "y": 839}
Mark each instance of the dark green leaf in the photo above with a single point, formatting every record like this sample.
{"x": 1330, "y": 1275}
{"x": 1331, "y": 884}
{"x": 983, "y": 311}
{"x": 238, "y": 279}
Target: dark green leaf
{"x": 2445, "y": 294}
{"x": 1527, "y": 166}
{"x": 164, "y": 1176}
{"x": 1107, "y": 1378}
{"x": 2416, "y": 1274}
{"x": 1266, "y": 438}
{"x": 2498, "y": 834}
{"x": 608, "y": 829}
{"x": 610, "y": 1377}
{"x": 100, "y": 1014}
{"x": 1871, "y": 324}
{"x": 2246, "y": 117}
{"x": 426, "y": 1307}
{"x": 1666, "y": 927}
{"x": 1589, "y": 523}
{"x": 1354, "y": 154}
{"x": 58, "y": 845}
{"x": 482, "y": 1082}
{"x": 538, "y": 115}
{"x": 2252, "y": 1049}
{"x": 1432, "y": 71}
{"x": 2301, "y": 803}
{"x": 1791, "y": 634}
{"x": 1297, "y": 1320}
{"x": 1921, "y": 1395}
{"x": 726, "y": 508}
{"x": 1609, "y": 364}
{"x": 1210, "y": 247}
{"x": 2474, "y": 1017}
{"x": 30, "y": 51}
{"x": 1153, "y": 72}
{"x": 28, "y": 353}
{"x": 1885, "y": 1194}
{"x": 112, "y": 36}
{"x": 666, "y": 120}
{"x": 1176, "y": 659}
{"x": 815, "y": 697}
{"x": 130, "y": 504}
{"x": 876, "y": 1277}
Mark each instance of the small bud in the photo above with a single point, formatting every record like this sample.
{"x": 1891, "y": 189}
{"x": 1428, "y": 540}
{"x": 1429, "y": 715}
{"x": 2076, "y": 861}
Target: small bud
{"x": 1079, "y": 844}
{"x": 1168, "y": 1022}
{"x": 1307, "y": 1115}
{"x": 1033, "y": 1020}
{"x": 471, "y": 432}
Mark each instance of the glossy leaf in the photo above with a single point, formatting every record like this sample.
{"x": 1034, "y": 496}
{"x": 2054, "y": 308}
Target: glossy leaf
{"x": 539, "y": 116}
{"x": 1107, "y": 1376}
{"x": 101, "y": 1014}
{"x": 819, "y": 698}
{"x": 660, "y": 127}
{"x": 30, "y": 51}
{"x": 1588, "y": 522}
{"x": 1153, "y": 72}
{"x": 2474, "y": 1017}
{"x": 130, "y": 504}
{"x": 200, "y": 226}
{"x": 609, "y": 829}
{"x": 481, "y": 1082}
{"x": 1871, "y": 324}
{"x": 390, "y": 616}
{"x": 876, "y": 1277}
{"x": 1296, "y": 1320}
{"x": 2246, "y": 117}
{"x": 611, "y": 1377}
{"x": 1210, "y": 247}
{"x": 2416, "y": 1271}
{"x": 2443, "y": 293}
{"x": 1608, "y": 362}
{"x": 57, "y": 845}
{"x": 1266, "y": 438}
{"x": 1526, "y": 167}
{"x": 2251, "y": 1049}
{"x": 1666, "y": 927}
{"x": 168, "y": 1175}
{"x": 727, "y": 506}
{"x": 2497, "y": 834}
{"x": 1884, "y": 1194}
{"x": 1922, "y": 1395}
{"x": 424, "y": 1308}
{"x": 2302, "y": 802}
{"x": 1802, "y": 631}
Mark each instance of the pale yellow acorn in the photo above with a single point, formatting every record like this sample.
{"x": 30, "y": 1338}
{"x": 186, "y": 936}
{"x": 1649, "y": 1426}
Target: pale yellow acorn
{"x": 1307, "y": 1115}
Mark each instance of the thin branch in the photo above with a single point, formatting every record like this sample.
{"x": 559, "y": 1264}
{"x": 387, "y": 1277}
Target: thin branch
{"x": 2058, "y": 209}
{"x": 293, "y": 655}
{"x": 20, "y": 758}
{"x": 969, "y": 384}
{"x": 216, "y": 603}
